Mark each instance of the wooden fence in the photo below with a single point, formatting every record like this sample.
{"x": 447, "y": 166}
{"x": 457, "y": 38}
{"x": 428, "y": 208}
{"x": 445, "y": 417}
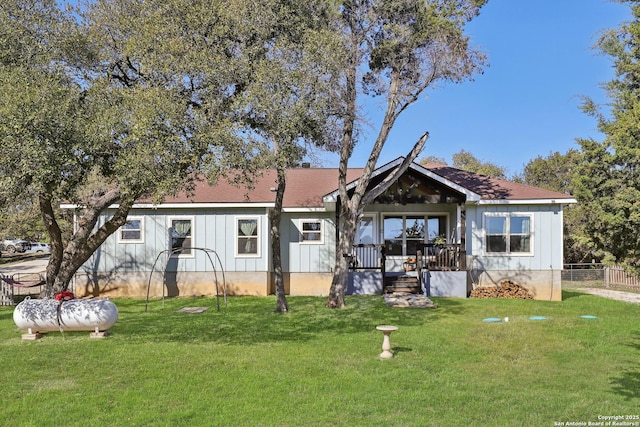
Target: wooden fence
{"x": 616, "y": 276}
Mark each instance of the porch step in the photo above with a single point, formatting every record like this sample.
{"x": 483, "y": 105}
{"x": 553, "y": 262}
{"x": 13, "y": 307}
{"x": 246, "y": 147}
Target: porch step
{"x": 401, "y": 284}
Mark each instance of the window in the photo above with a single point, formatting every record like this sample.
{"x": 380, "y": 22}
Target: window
{"x": 405, "y": 234}
{"x": 247, "y": 236}
{"x": 508, "y": 233}
{"x": 131, "y": 231}
{"x": 181, "y": 235}
{"x": 311, "y": 231}
{"x": 365, "y": 231}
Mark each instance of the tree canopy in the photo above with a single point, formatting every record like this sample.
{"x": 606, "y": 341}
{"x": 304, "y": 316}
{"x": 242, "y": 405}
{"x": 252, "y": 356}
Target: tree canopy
{"x": 465, "y": 160}
{"x": 127, "y": 100}
{"x": 557, "y": 172}
{"x": 607, "y": 181}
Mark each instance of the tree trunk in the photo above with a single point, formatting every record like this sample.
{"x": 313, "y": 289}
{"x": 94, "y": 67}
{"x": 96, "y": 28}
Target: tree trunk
{"x": 55, "y": 236}
{"x": 344, "y": 248}
{"x": 281, "y": 299}
{"x": 63, "y": 264}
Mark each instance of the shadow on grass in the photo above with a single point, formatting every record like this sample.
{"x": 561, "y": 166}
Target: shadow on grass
{"x": 6, "y": 313}
{"x": 572, "y": 294}
{"x": 398, "y": 350}
{"x": 252, "y": 320}
{"x": 628, "y": 384}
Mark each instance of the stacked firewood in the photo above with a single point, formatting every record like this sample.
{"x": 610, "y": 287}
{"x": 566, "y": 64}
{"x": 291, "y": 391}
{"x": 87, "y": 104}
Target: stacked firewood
{"x": 506, "y": 289}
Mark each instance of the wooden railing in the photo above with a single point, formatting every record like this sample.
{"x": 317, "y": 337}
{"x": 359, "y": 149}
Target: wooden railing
{"x": 445, "y": 257}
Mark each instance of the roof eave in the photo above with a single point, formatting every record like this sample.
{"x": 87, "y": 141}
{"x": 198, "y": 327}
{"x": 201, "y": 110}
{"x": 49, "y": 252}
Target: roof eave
{"x": 527, "y": 201}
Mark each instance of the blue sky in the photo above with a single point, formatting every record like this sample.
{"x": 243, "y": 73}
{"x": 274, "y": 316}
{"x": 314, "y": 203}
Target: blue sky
{"x": 526, "y": 104}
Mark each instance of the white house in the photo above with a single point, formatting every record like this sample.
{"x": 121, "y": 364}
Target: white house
{"x": 437, "y": 230}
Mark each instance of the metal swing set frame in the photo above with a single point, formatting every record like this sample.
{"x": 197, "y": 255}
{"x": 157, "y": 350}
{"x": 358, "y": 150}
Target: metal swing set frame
{"x": 170, "y": 253}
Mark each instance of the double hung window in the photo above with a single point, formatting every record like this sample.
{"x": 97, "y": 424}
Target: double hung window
{"x": 508, "y": 233}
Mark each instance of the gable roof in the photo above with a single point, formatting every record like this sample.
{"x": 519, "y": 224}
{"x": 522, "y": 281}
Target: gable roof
{"x": 313, "y": 188}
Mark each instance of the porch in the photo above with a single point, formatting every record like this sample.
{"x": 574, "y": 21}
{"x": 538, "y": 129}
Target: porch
{"x": 434, "y": 270}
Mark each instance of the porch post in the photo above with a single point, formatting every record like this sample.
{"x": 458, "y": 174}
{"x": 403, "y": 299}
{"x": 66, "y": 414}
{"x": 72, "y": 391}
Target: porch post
{"x": 462, "y": 224}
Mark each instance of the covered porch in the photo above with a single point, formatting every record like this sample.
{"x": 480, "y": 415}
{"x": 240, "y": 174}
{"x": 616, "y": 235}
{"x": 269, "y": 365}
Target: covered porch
{"x": 412, "y": 238}
{"x": 434, "y": 270}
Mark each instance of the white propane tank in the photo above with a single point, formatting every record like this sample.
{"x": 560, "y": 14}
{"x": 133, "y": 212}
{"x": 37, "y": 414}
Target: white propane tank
{"x": 40, "y": 315}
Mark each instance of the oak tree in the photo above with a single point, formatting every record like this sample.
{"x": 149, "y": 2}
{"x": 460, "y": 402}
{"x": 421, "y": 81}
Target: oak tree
{"x": 397, "y": 49}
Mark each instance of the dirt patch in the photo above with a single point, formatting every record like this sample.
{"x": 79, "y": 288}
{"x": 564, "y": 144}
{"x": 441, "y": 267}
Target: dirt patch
{"x": 629, "y": 297}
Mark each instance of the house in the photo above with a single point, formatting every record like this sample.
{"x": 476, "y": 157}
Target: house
{"x": 441, "y": 228}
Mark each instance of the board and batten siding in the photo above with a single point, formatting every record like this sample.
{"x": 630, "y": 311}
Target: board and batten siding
{"x": 546, "y": 238}
{"x": 302, "y": 257}
{"x": 213, "y": 229}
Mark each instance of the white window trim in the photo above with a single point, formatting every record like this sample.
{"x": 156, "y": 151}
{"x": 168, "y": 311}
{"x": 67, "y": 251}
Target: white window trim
{"x": 404, "y": 215}
{"x": 258, "y": 236}
{"x": 508, "y": 215}
{"x": 374, "y": 221}
{"x": 193, "y": 234}
{"x": 129, "y": 241}
{"x": 302, "y": 233}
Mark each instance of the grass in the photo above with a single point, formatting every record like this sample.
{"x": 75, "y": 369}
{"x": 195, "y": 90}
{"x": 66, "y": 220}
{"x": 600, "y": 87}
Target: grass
{"x": 248, "y": 366}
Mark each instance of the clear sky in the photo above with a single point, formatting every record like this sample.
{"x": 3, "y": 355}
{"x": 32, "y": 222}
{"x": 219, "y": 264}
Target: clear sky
{"x": 526, "y": 104}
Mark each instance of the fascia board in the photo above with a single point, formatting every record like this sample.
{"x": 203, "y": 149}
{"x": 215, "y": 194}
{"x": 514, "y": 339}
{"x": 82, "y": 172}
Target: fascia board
{"x": 310, "y": 209}
{"x": 182, "y": 205}
{"x": 529, "y": 202}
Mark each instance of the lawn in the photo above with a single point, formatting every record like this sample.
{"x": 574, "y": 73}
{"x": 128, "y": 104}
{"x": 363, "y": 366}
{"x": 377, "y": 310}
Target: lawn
{"x": 248, "y": 366}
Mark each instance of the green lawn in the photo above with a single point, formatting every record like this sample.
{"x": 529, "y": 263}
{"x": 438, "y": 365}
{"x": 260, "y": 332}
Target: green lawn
{"x": 248, "y": 366}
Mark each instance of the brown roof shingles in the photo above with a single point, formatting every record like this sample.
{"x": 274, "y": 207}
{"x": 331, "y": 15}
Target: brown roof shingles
{"x": 307, "y": 186}
{"x": 495, "y": 189}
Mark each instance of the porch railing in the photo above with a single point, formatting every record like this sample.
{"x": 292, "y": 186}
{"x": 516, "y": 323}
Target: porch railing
{"x": 443, "y": 257}
{"x": 367, "y": 256}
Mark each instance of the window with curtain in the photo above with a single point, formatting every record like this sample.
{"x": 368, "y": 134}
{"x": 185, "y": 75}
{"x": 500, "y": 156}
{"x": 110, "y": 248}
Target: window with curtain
{"x": 508, "y": 233}
{"x": 311, "y": 231}
{"x": 181, "y": 235}
{"x": 131, "y": 231}
{"x": 247, "y": 236}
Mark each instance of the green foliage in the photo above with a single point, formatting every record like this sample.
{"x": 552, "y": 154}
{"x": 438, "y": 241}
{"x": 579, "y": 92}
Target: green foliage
{"x": 432, "y": 159}
{"x": 466, "y": 161}
{"x": 248, "y": 366}
{"x": 128, "y": 99}
{"x": 556, "y": 172}
{"x": 607, "y": 180}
